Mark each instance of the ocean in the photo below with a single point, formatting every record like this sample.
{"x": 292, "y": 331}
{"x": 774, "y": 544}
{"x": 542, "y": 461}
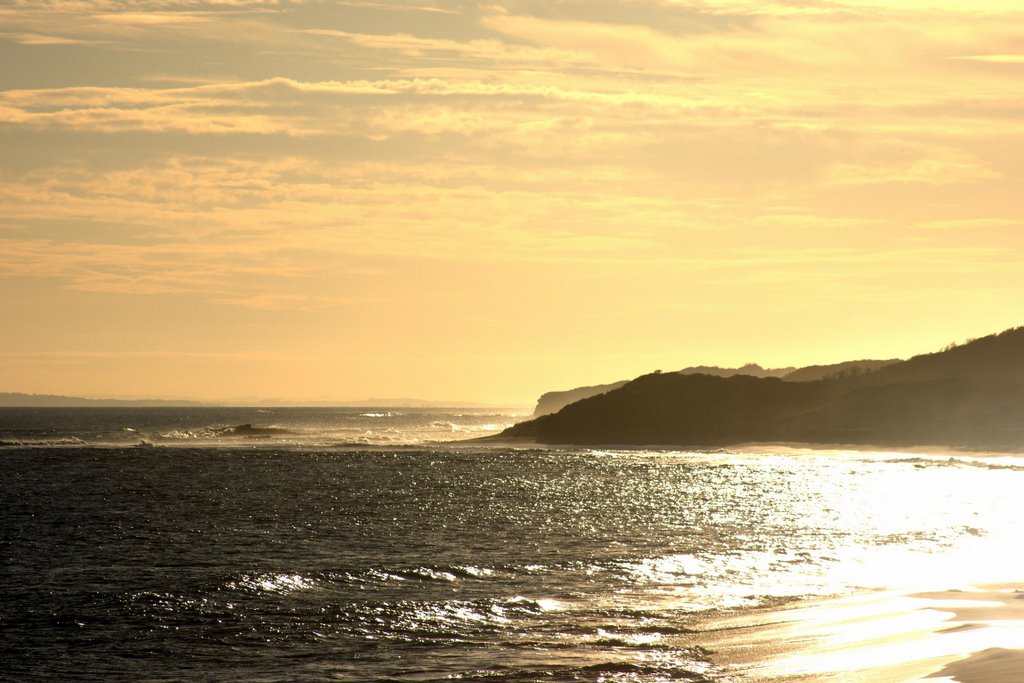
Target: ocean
{"x": 244, "y": 544}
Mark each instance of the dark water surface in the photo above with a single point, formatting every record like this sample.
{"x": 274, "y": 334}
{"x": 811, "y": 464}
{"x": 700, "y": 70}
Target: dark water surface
{"x": 428, "y": 563}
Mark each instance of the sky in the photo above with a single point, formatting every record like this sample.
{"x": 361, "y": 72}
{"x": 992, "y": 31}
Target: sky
{"x": 311, "y": 201}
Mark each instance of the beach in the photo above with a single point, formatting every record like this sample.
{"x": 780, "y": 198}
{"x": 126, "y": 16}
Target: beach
{"x": 968, "y": 634}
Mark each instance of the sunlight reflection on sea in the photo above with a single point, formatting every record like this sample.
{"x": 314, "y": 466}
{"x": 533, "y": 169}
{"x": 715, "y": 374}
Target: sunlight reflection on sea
{"x": 265, "y": 559}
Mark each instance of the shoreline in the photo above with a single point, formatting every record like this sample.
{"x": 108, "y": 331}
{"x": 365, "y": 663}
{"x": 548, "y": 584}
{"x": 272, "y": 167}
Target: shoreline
{"x": 966, "y": 634}
{"x": 965, "y": 628}
{"x": 753, "y": 447}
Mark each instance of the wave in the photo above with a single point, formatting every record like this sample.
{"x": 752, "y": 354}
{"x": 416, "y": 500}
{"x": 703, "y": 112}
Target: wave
{"x": 430, "y": 620}
{"x": 246, "y": 430}
{"x": 272, "y": 583}
{"x": 433, "y": 574}
{"x": 214, "y": 427}
{"x": 45, "y": 442}
{"x": 997, "y": 463}
{"x": 692, "y": 670}
{"x": 462, "y": 427}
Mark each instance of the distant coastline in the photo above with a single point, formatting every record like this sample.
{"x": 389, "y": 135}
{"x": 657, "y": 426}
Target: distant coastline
{"x": 26, "y": 400}
{"x": 754, "y": 447}
{"x": 19, "y": 400}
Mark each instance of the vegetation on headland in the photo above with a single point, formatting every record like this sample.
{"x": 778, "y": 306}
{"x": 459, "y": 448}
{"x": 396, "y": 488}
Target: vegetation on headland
{"x": 553, "y": 401}
{"x": 969, "y": 396}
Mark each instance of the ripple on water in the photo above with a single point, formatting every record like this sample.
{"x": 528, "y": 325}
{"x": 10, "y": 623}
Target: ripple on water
{"x": 428, "y": 565}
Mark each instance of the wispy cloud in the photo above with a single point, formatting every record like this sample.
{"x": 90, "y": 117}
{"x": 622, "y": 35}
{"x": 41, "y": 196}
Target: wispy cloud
{"x": 993, "y": 59}
{"x": 271, "y": 301}
{"x": 41, "y": 39}
{"x": 847, "y": 7}
{"x": 971, "y": 224}
{"x": 497, "y": 52}
{"x": 937, "y": 171}
{"x": 151, "y": 18}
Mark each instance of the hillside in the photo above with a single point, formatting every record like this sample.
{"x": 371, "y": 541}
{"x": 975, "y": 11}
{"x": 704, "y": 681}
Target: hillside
{"x": 969, "y": 396}
{"x": 553, "y": 401}
{"x": 852, "y": 367}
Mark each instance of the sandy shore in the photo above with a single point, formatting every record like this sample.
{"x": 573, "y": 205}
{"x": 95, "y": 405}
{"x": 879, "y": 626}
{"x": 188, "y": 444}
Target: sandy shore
{"x": 970, "y": 634}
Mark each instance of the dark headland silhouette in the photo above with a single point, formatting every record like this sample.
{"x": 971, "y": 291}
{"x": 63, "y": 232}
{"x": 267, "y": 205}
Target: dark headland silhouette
{"x": 969, "y": 396}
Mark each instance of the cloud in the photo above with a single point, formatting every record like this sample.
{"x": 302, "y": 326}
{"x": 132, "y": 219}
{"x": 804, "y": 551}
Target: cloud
{"x": 497, "y": 52}
{"x": 804, "y": 221}
{"x": 216, "y": 109}
{"x": 151, "y": 18}
{"x": 970, "y": 224}
{"x": 257, "y": 234}
{"x": 187, "y": 29}
{"x": 280, "y": 302}
{"x": 522, "y": 81}
{"x": 614, "y": 45}
{"x": 285, "y": 234}
{"x": 156, "y": 119}
{"x": 848, "y": 7}
{"x": 41, "y": 39}
{"x": 513, "y": 115}
{"x": 993, "y": 59}
{"x": 950, "y": 169}
{"x": 360, "y": 107}
{"x": 401, "y": 7}
{"x": 573, "y": 138}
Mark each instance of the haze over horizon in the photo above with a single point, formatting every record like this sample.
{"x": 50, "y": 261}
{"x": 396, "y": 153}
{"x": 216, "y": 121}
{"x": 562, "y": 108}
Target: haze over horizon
{"x": 460, "y": 201}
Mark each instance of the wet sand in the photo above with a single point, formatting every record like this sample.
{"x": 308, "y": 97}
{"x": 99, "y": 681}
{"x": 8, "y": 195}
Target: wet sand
{"x": 970, "y": 634}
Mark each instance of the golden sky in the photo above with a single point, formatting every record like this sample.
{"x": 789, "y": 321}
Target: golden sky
{"x": 453, "y": 200}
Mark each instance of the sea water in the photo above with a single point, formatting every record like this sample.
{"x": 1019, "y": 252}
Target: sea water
{"x": 361, "y": 545}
